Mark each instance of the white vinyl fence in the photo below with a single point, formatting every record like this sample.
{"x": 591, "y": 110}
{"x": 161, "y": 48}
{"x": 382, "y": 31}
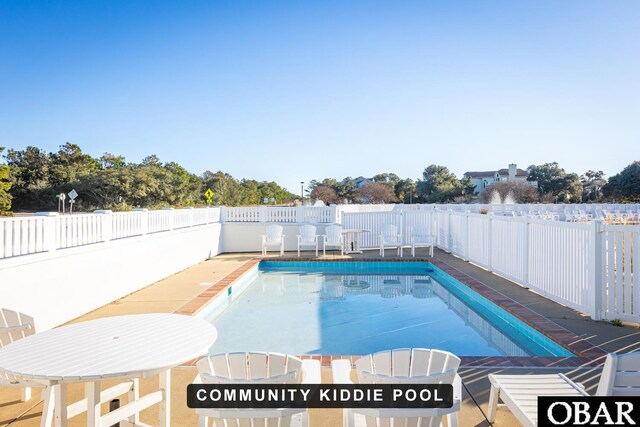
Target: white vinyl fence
{"x": 280, "y": 214}
{"x": 620, "y": 263}
{"x": 555, "y": 259}
{"x": 21, "y": 236}
{"x": 587, "y": 266}
{"x": 48, "y": 232}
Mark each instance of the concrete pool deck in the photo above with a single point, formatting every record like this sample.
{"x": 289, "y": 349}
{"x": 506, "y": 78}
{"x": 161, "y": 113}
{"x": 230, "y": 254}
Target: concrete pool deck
{"x": 177, "y": 292}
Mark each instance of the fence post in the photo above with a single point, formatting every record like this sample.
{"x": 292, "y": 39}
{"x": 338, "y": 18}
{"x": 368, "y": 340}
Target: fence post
{"x": 144, "y": 220}
{"x": 207, "y": 214}
{"x": 596, "y": 270}
{"x": 262, "y": 214}
{"x": 49, "y": 229}
{"x": 172, "y": 218}
{"x": 333, "y": 214}
{"x": 448, "y": 234}
{"x": 527, "y": 251}
{"x": 106, "y": 224}
{"x": 490, "y": 215}
{"x": 190, "y": 208}
{"x": 223, "y": 214}
{"x": 467, "y": 213}
{"x": 300, "y": 214}
{"x": 435, "y": 226}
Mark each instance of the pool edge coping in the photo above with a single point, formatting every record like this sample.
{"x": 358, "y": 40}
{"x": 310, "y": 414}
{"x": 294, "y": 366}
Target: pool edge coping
{"x": 587, "y": 354}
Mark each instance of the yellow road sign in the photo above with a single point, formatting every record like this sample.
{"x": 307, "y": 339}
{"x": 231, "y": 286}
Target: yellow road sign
{"x": 209, "y": 195}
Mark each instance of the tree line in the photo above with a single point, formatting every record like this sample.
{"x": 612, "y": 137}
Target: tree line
{"x": 32, "y": 178}
{"x": 439, "y": 185}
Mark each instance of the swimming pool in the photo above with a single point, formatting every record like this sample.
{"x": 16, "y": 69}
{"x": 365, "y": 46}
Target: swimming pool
{"x": 354, "y": 308}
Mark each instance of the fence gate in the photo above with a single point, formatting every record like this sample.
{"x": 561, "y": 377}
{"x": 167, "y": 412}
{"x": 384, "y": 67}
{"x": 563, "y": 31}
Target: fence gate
{"x": 620, "y": 275}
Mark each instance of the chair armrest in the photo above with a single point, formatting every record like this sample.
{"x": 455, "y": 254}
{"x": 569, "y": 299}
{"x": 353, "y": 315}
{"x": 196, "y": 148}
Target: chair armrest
{"x": 457, "y": 389}
{"x": 311, "y": 373}
{"x": 341, "y": 371}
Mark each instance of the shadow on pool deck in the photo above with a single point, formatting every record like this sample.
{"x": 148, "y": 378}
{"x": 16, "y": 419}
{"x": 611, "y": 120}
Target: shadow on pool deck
{"x": 172, "y": 293}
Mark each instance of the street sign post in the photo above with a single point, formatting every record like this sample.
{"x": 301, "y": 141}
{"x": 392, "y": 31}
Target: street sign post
{"x": 209, "y": 195}
{"x": 72, "y": 199}
{"x": 61, "y": 198}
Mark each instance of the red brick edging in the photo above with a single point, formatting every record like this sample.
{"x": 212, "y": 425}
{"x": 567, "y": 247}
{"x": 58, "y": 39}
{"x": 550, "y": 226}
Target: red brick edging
{"x": 196, "y": 304}
{"x": 586, "y": 353}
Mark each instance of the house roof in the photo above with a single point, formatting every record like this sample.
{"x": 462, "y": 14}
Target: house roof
{"x": 491, "y": 174}
{"x": 519, "y": 172}
{"x": 484, "y": 174}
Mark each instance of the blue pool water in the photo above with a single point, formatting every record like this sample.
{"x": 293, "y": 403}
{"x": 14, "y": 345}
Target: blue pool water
{"x": 353, "y": 308}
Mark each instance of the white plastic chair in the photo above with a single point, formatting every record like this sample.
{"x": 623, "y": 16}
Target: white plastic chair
{"x": 308, "y": 238}
{"x": 273, "y": 237}
{"x": 256, "y": 368}
{"x": 15, "y": 326}
{"x": 420, "y": 237}
{"x": 333, "y": 238}
{"x": 620, "y": 377}
{"x": 390, "y": 238}
{"x": 409, "y": 366}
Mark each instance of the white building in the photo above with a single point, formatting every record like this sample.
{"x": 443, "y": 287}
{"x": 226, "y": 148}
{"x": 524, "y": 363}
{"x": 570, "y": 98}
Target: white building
{"x": 483, "y": 179}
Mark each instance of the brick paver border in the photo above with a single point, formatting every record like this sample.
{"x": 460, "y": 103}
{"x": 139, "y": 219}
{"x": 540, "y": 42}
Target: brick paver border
{"x": 586, "y": 353}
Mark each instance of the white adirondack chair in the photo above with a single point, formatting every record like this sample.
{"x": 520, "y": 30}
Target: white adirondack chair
{"x": 256, "y": 368}
{"x": 390, "y": 238}
{"x": 421, "y": 237}
{"x": 307, "y": 238}
{"x": 409, "y": 366}
{"x": 333, "y": 238}
{"x": 273, "y": 237}
{"x": 14, "y": 326}
{"x": 620, "y": 377}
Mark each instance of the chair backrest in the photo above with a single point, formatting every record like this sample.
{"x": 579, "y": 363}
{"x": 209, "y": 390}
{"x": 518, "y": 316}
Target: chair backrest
{"x": 334, "y": 233}
{"x": 14, "y": 326}
{"x": 389, "y": 230}
{"x": 406, "y": 363}
{"x": 409, "y": 366}
{"x": 620, "y": 375}
{"x": 420, "y": 230}
{"x": 251, "y": 367}
{"x": 274, "y": 233}
{"x": 307, "y": 232}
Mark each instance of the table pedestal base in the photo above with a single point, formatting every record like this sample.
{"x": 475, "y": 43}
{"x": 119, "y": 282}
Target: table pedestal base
{"x": 57, "y": 411}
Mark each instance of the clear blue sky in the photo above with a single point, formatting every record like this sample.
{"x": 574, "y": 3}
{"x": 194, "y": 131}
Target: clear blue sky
{"x": 292, "y": 91}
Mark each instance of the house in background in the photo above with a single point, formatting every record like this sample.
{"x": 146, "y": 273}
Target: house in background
{"x": 482, "y": 180}
{"x": 361, "y": 181}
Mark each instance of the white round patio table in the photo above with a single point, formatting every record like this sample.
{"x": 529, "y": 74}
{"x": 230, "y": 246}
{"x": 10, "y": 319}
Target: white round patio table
{"x": 122, "y": 347}
{"x": 352, "y": 239}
